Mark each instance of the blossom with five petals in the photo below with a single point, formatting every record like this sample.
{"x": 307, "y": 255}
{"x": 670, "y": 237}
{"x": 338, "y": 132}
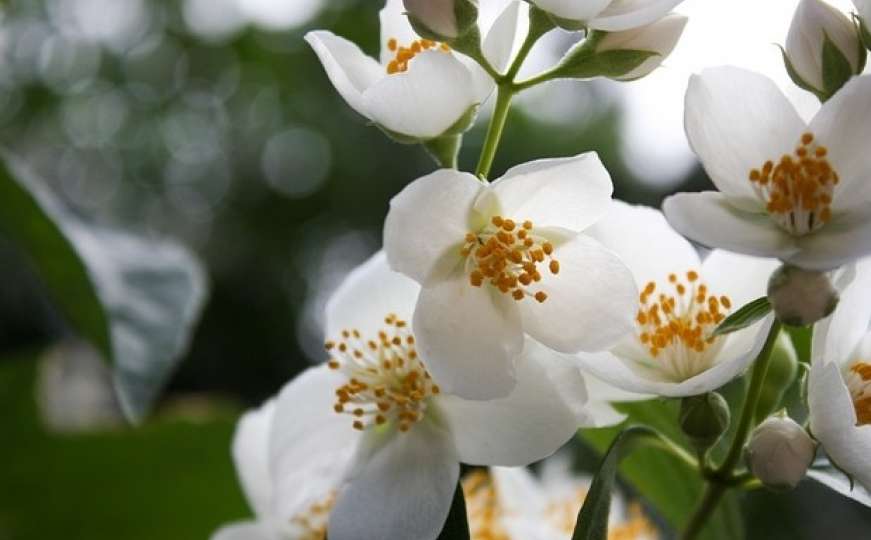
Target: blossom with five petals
{"x": 420, "y": 89}
{"x": 839, "y": 385}
{"x": 503, "y": 259}
{"x": 368, "y": 446}
{"x": 787, "y": 189}
{"x": 683, "y": 299}
{"x": 608, "y": 15}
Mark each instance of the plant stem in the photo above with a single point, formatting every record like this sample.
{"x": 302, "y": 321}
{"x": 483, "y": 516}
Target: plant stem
{"x": 494, "y": 132}
{"x": 723, "y": 478}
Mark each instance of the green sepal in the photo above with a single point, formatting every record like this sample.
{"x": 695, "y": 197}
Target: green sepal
{"x": 797, "y": 79}
{"x": 457, "y": 524}
{"x": 864, "y": 43}
{"x": 836, "y": 68}
{"x": 746, "y": 316}
{"x": 864, "y": 34}
{"x": 586, "y": 62}
{"x": 781, "y": 373}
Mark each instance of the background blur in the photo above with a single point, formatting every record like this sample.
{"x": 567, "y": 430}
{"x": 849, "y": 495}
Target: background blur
{"x": 210, "y": 121}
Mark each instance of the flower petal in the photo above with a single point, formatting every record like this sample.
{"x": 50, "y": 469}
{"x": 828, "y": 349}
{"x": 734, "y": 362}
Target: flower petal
{"x": 835, "y": 337}
{"x": 251, "y": 456}
{"x": 468, "y": 337}
{"x": 626, "y": 14}
{"x": 572, "y": 192}
{"x": 428, "y": 222}
{"x": 740, "y": 277}
{"x": 844, "y": 239}
{"x": 590, "y": 304}
{"x": 573, "y": 9}
{"x": 735, "y": 121}
{"x": 404, "y": 490}
{"x": 544, "y": 411}
{"x": 841, "y": 126}
{"x": 833, "y": 422}
{"x": 503, "y": 36}
{"x": 246, "y": 530}
{"x": 644, "y": 240}
{"x": 350, "y": 71}
{"x": 394, "y": 25}
{"x": 425, "y": 101}
{"x": 311, "y": 446}
{"x": 367, "y": 295}
{"x": 710, "y": 220}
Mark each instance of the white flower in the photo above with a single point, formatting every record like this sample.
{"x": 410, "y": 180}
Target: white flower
{"x": 608, "y": 15}
{"x": 682, "y": 300}
{"x": 660, "y": 37}
{"x": 789, "y": 190}
{"x": 497, "y": 260}
{"x": 513, "y": 504}
{"x": 839, "y": 386}
{"x": 815, "y": 22}
{"x": 369, "y": 437}
{"x": 780, "y": 452}
{"x": 420, "y": 89}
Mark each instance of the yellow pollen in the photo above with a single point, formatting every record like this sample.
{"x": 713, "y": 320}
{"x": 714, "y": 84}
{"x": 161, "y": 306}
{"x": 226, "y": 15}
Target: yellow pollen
{"x": 403, "y": 55}
{"x": 507, "y": 260}
{"x": 311, "y": 524}
{"x": 386, "y": 381}
{"x": 797, "y": 191}
{"x": 859, "y": 383}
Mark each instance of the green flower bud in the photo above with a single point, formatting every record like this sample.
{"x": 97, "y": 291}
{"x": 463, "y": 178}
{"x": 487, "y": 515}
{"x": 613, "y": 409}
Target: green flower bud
{"x": 782, "y": 370}
{"x": 704, "y": 419}
{"x": 801, "y": 297}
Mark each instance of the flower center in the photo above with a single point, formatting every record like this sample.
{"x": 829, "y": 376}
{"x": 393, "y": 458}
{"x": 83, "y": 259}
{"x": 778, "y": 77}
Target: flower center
{"x": 403, "y": 55}
{"x": 312, "y": 523}
{"x": 387, "y": 382}
{"x": 859, "y": 383}
{"x": 674, "y": 327}
{"x": 507, "y": 255}
{"x": 798, "y": 189}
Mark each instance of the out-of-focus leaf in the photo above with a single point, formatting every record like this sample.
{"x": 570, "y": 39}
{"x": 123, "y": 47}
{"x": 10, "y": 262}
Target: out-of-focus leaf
{"x": 457, "y": 525}
{"x": 666, "y": 482}
{"x": 826, "y": 474}
{"x": 134, "y": 299}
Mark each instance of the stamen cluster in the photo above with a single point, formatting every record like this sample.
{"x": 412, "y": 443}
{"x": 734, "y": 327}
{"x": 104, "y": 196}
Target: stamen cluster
{"x": 798, "y": 189}
{"x": 312, "y": 524}
{"x": 403, "y": 55}
{"x": 387, "y": 382}
{"x": 483, "y": 508}
{"x": 507, "y": 256}
{"x": 859, "y": 383}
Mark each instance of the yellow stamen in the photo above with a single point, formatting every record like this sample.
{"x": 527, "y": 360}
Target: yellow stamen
{"x": 859, "y": 383}
{"x": 403, "y": 55}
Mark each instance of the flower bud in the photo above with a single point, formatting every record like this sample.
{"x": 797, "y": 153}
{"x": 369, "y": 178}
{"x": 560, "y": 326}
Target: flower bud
{"x": 822, "y": 48}
{"x": 864, "y": 15}
{"x": 704, "y": 419}
{"x": 659, "y": 38}
{"x": 801, "y": 297}
{"x": 780, "y": 452}
{"x": 781, "y": 373}
{"x": 442, "y": 20}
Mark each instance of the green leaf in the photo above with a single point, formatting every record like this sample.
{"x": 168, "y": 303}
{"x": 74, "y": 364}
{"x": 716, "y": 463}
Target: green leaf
{"x": 747, "y": 315}
{"x": 457, "y": 525}
{"x": 27, "y": 213}
{"x": 592, "y": 523}
{"x": 830, "y": 476}
{"x": 836, "y": 68}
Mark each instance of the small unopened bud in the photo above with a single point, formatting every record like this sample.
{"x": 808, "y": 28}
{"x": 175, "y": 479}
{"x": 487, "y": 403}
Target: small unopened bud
{"x": 801, "y": 297}
{"x": 822, "y": 48}
{"x": 781, "y": 373}
{"x": 442, "y": 20}
{"x": 780, "y": 452}
{"x": 704, "y": 419}
{"x": 651, "y": 43}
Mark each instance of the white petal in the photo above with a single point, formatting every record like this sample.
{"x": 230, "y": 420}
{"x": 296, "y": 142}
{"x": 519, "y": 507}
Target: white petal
{"x": 844, "y": 239}
{"x": 251, "y": 457}
{"x": 572, "y": 193}
{"x": 518, "y": 491}
{"x": 350, "y": 71}
{"x": 311, "y": 445}
{"x": 841, "y": 126}
{"x": 835, "y": 337}
{"x": 709, "y": 219}
{"x": 425, "y": 101}
{"x": 735, "y": 121}
{"x": 575, "y": 10}
{"x": 660, "y": 37}
{"x": 248, "y": 530}
{"x": 428, "y": 222}
{"x": 628, "y": 375}
{"x": 404, "y": 491}
{"x": 394, "y": 25}
{"x": 833, "y": 422}
{"x": 500, "y": 42}
{"x": 590, "y": 304}
{"x": 740, "y": 277}
{"x": 367, "y": 295}
{"x": 544, "y": 411}
{"x": 601, "y": 395}
{"x": 625, "y": 14}
{"x": 644, "y": 240}
{"x": 468, "y": 337}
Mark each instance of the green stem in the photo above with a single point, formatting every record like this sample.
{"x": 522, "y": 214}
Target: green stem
{"x": 494, "y": 132}
{"x": 723, "y": 477}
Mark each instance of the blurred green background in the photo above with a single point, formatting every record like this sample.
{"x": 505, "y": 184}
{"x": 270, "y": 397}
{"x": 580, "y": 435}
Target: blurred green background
{"x": 214, "y": 124}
